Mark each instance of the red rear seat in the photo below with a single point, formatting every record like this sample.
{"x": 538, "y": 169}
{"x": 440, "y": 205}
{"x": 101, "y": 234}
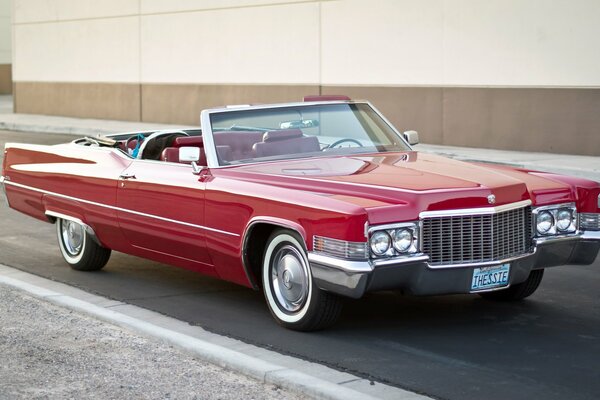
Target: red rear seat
{"x": 288, "y": 141}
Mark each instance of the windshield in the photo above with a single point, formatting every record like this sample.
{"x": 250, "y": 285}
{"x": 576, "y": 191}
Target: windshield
{"x": 246, "y": 136}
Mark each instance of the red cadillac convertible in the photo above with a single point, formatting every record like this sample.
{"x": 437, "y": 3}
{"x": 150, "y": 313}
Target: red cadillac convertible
{"x": 310, "y": 202}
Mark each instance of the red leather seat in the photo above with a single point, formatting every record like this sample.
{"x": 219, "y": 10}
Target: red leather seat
{"x": 240, "y": 144}
{"x": 289, "y": 141}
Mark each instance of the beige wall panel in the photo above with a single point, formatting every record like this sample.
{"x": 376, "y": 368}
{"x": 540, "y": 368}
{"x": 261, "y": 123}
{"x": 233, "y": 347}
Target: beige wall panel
{"x": 547, "y": 120}
{"x": 5, "y": 79}
{"x": 248, "y": 45}
{"x": 102, "y": 50}
{"x": 182, "y": 104}
{"x": 407, "y": 108}
{"x": 387, "y": 42}
{"x": 5, "y": 40}
{"x": 516, "y": 42}
{"x": 28, "y": 11}
{"x": 165, "y": 6}
{"x": 84, "y": 100}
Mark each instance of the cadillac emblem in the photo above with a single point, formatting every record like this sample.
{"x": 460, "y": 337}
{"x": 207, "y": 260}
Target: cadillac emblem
{"x": 492, "y": 199}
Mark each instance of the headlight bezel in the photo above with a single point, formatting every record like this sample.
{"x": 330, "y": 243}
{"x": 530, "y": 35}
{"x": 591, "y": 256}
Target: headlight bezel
{"x": 554, "y": 210}
{"x": 390, "y": 230}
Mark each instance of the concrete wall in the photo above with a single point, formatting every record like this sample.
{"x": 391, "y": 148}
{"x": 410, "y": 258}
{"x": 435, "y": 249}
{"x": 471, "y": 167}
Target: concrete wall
{"x": 5, "y": 47}
{"x": 511, "y": 74}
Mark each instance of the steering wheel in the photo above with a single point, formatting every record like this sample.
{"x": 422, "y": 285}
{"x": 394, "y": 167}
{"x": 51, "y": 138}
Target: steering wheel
{"x": 338, "y": 142}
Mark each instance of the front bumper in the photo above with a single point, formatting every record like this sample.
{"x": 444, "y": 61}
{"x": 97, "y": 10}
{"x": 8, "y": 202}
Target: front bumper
{"x": 414, "y": 275}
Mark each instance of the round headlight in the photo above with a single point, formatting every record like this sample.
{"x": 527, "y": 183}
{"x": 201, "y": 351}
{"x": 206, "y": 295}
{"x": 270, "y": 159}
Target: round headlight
{"x": 564, "y": 218}
{"x": 545, "y": 221}
{"x": 380, "y": 243}
{"x": 403, "y": 239}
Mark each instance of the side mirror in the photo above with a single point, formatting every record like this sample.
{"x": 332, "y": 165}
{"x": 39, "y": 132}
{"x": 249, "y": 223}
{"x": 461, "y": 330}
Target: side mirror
{"x": 189, "y": 154}
{"x": 412, "y": 137}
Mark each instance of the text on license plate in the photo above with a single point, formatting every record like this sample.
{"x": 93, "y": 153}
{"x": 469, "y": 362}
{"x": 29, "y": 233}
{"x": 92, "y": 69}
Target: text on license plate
{"x": 490, "y": 277}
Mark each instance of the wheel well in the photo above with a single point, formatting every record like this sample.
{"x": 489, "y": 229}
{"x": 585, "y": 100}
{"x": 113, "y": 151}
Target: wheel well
{"x": 258, "y": 235}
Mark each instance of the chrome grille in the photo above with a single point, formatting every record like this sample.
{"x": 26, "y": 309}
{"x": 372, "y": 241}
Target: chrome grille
{"x": 466, "y": 239}
{"x": 589, "y": 221}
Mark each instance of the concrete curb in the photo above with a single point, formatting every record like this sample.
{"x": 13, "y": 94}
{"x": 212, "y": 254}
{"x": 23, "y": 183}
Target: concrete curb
{"x": 237, "y": 361}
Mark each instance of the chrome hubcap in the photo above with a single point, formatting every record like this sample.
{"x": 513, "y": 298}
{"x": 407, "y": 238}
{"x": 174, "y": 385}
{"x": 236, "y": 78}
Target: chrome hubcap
{"x": 289, "y": 279}
{"x": 72, "y": 237}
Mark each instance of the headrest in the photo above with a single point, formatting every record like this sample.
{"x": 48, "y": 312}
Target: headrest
{"x": 194, "y": 141}
{"x": 284, "y": 134}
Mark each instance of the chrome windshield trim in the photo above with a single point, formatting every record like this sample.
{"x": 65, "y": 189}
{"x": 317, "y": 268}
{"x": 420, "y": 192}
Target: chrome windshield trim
{"x": 63, "y": 196}
{"x": 475, "y": 211}
{"x": 209, "y": 145}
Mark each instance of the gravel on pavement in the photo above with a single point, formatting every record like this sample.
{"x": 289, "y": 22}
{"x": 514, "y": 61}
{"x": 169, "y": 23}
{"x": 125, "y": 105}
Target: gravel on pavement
{"x": 51, "y": 352}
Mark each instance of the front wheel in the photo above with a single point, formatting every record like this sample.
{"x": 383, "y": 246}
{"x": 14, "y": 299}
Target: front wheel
{"x": 293, "y": 299}
{"x": 78, "y": 248}
{"x": 518, "y": 291}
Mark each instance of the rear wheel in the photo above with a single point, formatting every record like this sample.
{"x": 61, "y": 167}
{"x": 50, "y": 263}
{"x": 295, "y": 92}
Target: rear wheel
{"x": 78, "y": 248}
{"x": 518, "y": 291}
{"x": 293, "y": 299}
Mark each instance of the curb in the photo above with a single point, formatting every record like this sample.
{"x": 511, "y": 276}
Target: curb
{"x": 233, "y": 360}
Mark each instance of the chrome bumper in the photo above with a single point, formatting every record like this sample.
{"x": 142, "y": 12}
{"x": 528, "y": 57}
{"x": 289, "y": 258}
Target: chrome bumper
{"x": 414, "y": 275}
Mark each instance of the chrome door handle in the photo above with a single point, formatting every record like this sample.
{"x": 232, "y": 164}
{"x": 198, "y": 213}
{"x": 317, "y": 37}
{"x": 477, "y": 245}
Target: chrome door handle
{"x": 127, "y": 176}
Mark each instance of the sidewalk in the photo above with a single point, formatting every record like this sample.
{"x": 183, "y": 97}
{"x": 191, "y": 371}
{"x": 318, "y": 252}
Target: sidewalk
{"x": 582, "y": 166}
{"x": 81, "y": 357}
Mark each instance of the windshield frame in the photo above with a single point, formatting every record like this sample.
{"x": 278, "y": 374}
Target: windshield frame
{"x": 207, "y": 133}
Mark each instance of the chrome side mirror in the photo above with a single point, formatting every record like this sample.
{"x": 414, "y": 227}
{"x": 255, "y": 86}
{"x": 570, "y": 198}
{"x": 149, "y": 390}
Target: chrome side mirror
{"x": 412, "y": 137}
{"x": 191, "y": 155}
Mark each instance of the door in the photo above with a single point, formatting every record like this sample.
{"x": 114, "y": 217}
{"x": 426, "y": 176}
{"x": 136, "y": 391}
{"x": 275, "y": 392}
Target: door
{"x": 161, "y": 210}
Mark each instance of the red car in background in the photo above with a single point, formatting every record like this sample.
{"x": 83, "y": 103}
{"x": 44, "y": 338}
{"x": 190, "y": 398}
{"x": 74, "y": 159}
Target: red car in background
{"x": 309, "y": 202}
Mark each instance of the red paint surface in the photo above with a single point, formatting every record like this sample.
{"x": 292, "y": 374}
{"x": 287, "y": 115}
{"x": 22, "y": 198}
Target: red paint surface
{"x": 330, "y": 196}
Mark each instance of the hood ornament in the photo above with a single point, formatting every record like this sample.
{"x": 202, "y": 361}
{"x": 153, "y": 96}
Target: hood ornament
{"x": 491, "y": 199}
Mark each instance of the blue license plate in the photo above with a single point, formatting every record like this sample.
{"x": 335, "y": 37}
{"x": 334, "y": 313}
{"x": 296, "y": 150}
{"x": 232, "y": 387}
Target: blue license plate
{"x": 490, "y": 277}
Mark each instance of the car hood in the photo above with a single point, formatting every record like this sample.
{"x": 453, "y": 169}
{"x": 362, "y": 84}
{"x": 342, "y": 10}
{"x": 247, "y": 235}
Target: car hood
{"x": 379, "y": 180}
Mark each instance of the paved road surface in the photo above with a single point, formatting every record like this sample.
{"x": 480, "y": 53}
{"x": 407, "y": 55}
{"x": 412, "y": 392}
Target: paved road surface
{"x": 449, "y": 347}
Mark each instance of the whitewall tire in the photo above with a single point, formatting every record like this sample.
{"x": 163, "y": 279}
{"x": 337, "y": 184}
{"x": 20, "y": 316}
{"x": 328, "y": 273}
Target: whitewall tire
{"x": 78, "y": 248}
{"x": 293, "y": 299}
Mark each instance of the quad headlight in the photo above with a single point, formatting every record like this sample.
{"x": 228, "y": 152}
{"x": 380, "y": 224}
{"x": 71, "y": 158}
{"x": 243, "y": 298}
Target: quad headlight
{"x": 545, "y": 222}
{"x": 393, "y": 240}
{"x": 556, "y": 220}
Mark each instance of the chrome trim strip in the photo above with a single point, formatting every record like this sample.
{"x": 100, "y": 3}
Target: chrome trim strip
{"x": 121, "y": 209}
{"x": 485, "y": 263}
{"x": 475, "y": 211}
{"x": 590, "y": 235}
{"x": 350, "y": 267}
{"x": 380, "y": 262}
{"x": 66, "y": 217}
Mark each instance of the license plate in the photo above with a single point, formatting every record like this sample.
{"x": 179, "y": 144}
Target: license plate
{"x": 490, "y": 277}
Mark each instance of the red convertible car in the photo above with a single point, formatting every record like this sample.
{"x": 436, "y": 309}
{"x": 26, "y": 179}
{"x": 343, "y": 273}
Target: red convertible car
{"x": 310, "y": 202}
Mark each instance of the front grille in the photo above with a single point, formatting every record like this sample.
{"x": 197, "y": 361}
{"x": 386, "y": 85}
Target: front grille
{"x": 466, "y": 239}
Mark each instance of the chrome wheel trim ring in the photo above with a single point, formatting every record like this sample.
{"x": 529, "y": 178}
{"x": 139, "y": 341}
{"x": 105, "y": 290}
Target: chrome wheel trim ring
{"x": 72, "y": 235}
{"x": 289, "y": 279}
{"x": 73, "y": 252}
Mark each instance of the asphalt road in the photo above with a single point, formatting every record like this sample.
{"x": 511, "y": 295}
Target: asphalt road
{"x": 448, "y": 347}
